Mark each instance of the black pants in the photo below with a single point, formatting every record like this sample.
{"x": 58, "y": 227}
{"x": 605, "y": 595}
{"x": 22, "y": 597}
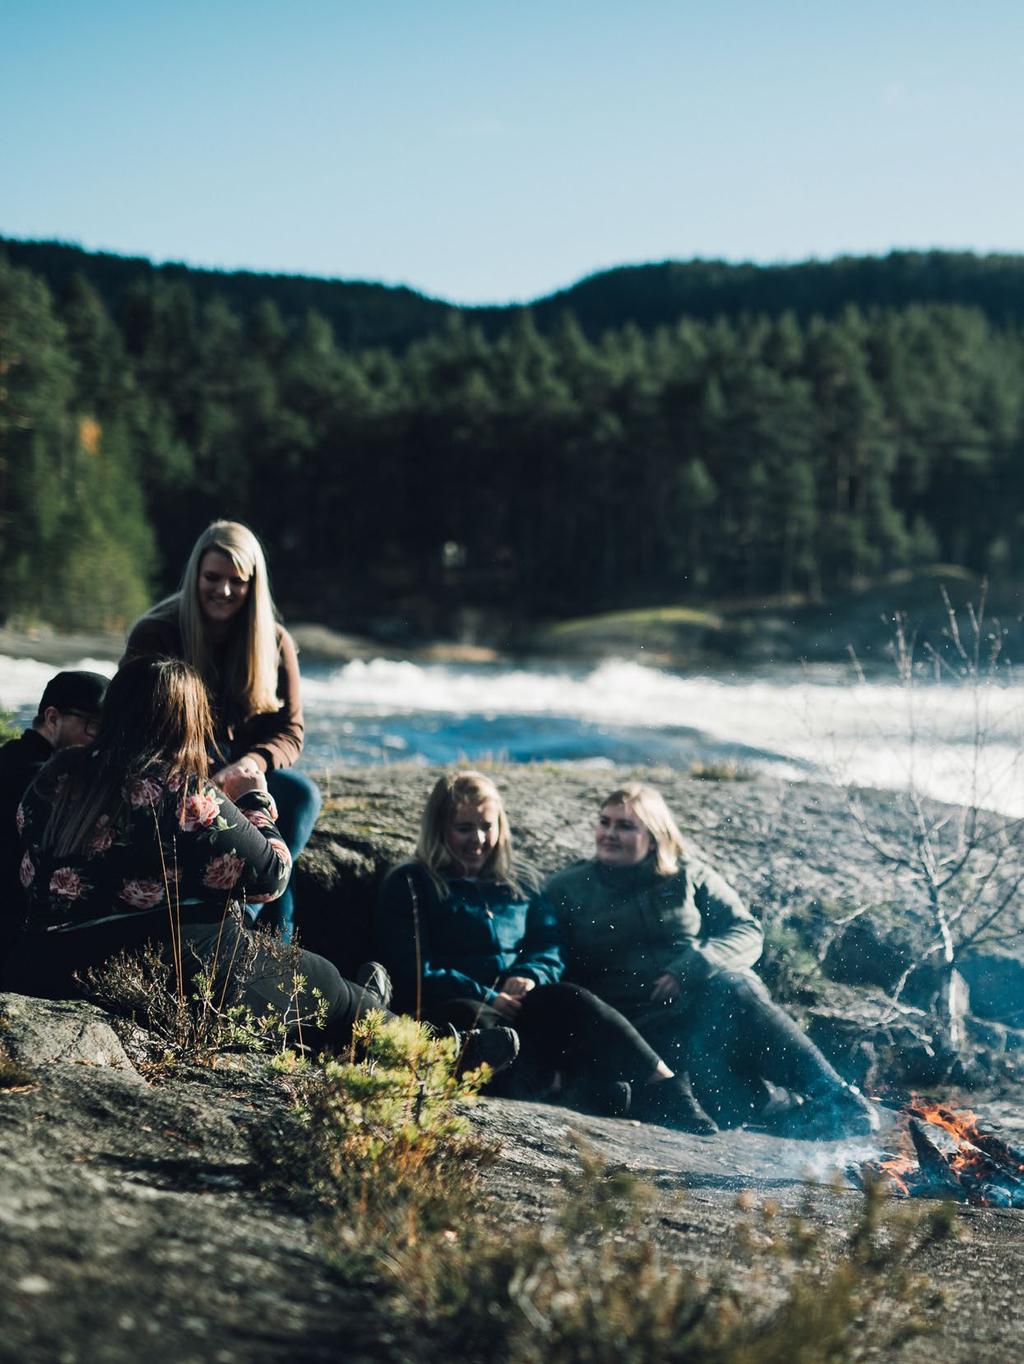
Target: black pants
{"x": 731, "y": 1037}
{"x": 50, "y": 965}
{"x": 563, "y": 1029}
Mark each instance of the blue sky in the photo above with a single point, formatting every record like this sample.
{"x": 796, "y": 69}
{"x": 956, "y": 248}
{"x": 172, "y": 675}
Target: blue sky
{"x": 484, "y": 152}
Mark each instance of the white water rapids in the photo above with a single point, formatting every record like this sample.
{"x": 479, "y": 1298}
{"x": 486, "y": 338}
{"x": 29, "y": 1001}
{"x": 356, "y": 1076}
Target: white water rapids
{"x": 956, "y": 742}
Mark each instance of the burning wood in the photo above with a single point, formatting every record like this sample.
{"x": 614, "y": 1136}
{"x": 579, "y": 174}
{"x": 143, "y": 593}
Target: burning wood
{"x": 948, "y": 1154}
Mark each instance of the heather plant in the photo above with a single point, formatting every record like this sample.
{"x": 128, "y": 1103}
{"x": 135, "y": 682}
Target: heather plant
{"x": 381, "y": 1147}
{"x": 593, "y": 1285}
{"x": 195, "y": 1015}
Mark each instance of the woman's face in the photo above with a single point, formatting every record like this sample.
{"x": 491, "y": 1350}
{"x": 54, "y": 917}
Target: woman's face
{"x": 621, "y": 839}
{"x": 221, "y": 588}
{"x": 473, "y": 835}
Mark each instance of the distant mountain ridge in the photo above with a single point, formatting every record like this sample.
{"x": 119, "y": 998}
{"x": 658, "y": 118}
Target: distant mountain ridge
{"x": 365, "y": 314}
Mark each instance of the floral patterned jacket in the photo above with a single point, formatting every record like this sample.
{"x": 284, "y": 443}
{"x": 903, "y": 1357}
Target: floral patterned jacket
{"x": 178, "y": 845}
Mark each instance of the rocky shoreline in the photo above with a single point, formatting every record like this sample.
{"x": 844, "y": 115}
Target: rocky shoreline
{"x": 134, "y": 1218}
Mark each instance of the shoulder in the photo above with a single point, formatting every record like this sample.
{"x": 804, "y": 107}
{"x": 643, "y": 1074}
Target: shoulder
{"x": 157, "y": 631}
{"x": 286, "y": 646}
{"x": 27, "y": 749}
{"x": 287, "y": 654}
{"x": 697, "y": 869}
{"x": 68, "y": 762}
{"x": 409, "y": 875}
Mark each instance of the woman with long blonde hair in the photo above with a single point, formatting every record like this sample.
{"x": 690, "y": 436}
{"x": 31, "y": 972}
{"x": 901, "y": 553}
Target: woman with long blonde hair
{"x": 223, "y": 623}
{"x": 649, "y": 926}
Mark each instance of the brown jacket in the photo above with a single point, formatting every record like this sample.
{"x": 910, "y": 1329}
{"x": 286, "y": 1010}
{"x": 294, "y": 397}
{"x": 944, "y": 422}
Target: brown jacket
{"x": 273, "y": 738}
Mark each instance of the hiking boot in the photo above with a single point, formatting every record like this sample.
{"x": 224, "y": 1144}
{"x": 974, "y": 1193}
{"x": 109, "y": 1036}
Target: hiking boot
{"x": 374, "y": 979}
{"x": 858, "y": 1113}
{"x": 671, "y": 1103}
{"x": 493, "y": 1047}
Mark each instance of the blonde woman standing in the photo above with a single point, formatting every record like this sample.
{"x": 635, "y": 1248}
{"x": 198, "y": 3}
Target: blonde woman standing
{"x": 222, "y": 622}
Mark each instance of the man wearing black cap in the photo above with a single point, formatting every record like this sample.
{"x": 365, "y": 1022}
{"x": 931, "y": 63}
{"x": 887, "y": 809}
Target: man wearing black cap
{"x": 68, "y": 714}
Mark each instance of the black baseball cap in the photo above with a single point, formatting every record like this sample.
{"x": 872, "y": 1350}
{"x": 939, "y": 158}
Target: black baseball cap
{"x": 75, "y": 691}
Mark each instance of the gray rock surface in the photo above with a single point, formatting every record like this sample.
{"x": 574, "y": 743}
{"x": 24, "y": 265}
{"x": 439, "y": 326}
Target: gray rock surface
{"x": 134, "y": 1221}
{"x": 41, "y": 1032}
{"x": 134, "y": 1225}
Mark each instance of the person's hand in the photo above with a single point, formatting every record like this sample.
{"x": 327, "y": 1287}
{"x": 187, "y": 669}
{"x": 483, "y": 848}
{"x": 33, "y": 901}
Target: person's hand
{"x": 666, "y": 988}
{"x": 238, "y": 778}
{"x": 507, "y": 1005}
{"x": 517, "y": 986}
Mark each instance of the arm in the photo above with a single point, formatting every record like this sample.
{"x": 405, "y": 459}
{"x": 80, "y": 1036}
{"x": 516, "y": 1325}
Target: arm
{"x": 539, "y": 958}
{"x": 403, "y": 942}
{"x": 223, "y": 846}
{"x": 730, "y": 938}
{"x": 274, "y": 739}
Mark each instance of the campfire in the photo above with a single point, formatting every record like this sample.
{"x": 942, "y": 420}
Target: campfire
{"x": 945, "y": 1153}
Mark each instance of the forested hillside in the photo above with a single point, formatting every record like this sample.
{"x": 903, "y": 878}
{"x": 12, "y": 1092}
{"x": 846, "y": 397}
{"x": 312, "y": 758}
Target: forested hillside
{"x": 733, "y": 438}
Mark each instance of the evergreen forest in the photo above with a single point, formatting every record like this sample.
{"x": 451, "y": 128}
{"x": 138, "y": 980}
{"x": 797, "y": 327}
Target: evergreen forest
{"x": 655, "y": 434}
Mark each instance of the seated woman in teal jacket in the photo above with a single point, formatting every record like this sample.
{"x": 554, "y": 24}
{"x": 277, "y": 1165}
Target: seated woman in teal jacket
{"x": 468, "y": 940}
{"x": 460, "y": 926}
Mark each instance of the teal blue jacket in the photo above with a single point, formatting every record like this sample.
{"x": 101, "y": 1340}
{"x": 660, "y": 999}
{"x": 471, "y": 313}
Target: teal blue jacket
{"x": 470, "y": 937}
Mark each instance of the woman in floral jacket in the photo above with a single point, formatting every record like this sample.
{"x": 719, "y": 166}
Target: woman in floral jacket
{"x": 129, "y": 843}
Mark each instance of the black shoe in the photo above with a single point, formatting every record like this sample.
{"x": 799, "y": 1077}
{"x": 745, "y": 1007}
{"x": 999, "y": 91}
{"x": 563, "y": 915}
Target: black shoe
{"x": 493, "y": 1047}
{"x": 671, "y": 1103}
{"x": 602, "y": 1098}
{"x": 374, "y": 979}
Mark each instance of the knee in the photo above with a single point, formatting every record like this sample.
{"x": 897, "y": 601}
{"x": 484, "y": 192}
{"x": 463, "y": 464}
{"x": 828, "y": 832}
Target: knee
{"x": 298, "y": 801}
{"x": 294, "y": 789}
{"x": 734, "y": 990}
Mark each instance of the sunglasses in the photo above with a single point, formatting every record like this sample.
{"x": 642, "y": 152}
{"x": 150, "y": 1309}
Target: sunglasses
{"x": 90, "y": 723}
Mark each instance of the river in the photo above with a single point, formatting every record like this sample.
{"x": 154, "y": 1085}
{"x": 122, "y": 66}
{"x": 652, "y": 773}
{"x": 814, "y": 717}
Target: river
{"x": 955, "y": 742}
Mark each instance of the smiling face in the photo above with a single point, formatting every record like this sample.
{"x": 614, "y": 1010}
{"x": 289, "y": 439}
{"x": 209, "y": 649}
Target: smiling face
{"x": 221, "y": 589}
{"x": 621, "y": 839}
{"x": 472, "y": 836}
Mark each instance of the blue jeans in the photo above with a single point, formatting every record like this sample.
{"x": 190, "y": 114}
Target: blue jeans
{"x": 298, "y": 804}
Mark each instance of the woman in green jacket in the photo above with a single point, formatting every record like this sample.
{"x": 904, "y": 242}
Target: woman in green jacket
{"x": 657, "y": 933}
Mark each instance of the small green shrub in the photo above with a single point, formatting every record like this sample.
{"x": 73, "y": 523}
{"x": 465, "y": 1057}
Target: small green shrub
{"x": 377, "y": 1142}
{"x": 788, "y": 966}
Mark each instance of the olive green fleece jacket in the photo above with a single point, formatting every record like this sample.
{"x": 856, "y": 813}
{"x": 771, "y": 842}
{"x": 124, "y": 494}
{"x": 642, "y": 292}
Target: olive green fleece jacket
{"x": 623, "y": 927}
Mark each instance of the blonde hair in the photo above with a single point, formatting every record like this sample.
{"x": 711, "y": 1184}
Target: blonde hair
{"x": 250, "y": 669}
{"x": 650, "y": 809}
{"x": 451, "y": 791}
